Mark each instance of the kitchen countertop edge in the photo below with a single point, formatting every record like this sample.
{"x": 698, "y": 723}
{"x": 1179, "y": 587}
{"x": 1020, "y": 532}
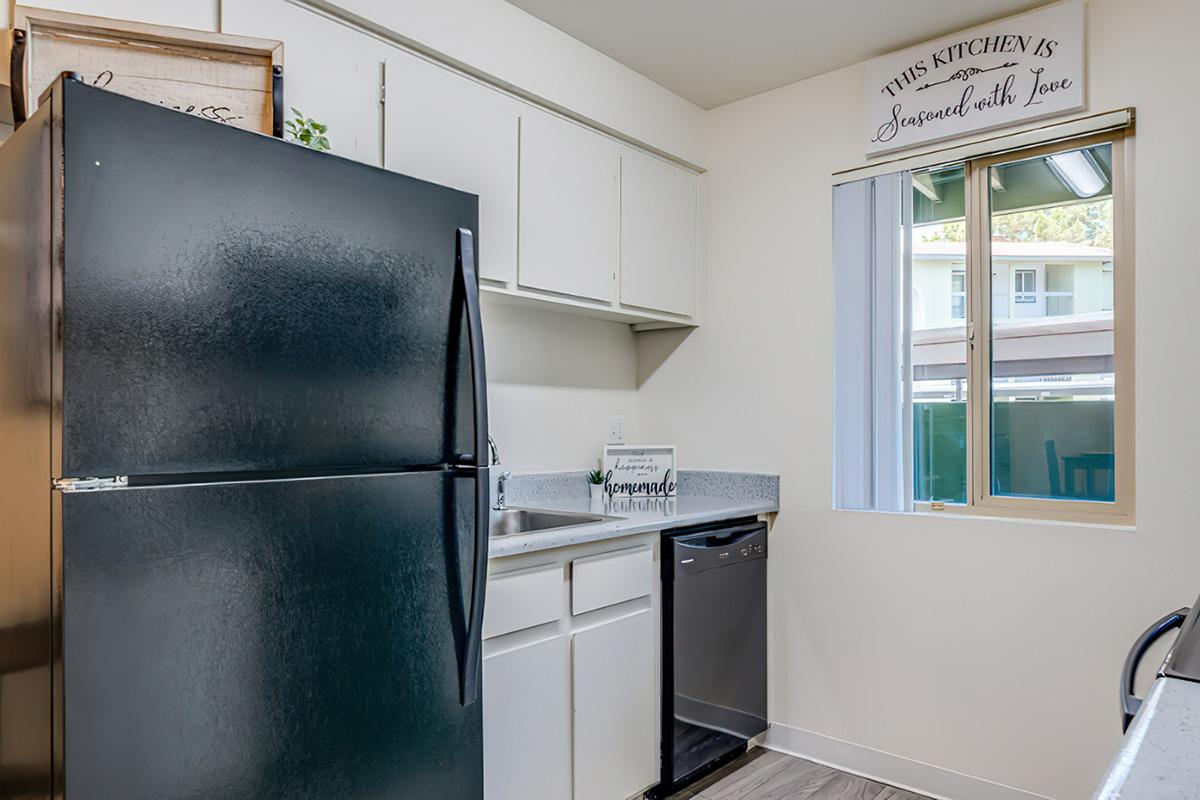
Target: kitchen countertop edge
{"x": 1157, "y": 760}
{"x": 709, "y": 509}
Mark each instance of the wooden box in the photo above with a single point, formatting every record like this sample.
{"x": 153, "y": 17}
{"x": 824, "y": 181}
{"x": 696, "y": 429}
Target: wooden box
{"x": 235, "y": 80}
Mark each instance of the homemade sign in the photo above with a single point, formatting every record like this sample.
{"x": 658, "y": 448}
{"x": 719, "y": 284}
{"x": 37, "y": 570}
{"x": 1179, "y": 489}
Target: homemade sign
{"x": 639, "y": 471}
{"x": 1018, "y": 69}
{"x": 235, "y": 80}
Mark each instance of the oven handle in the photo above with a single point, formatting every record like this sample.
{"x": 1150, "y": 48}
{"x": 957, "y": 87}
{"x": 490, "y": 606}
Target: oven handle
{"x": 1130, "y": 703}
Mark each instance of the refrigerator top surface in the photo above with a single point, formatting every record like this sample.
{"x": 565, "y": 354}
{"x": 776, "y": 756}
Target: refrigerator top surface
{"x": 237, "y": 304}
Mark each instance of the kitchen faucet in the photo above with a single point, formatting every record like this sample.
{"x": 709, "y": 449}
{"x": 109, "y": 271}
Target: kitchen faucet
{"x": 502, "y": 481}
{"x": 500, "y": 487}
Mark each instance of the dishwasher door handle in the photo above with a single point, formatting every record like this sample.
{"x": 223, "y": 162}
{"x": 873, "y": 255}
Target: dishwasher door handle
{"x": 722, "y": 538}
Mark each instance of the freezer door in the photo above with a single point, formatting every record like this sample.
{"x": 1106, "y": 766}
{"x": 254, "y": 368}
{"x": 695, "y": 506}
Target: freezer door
{"x": 235, "y": 303}
{"x": 273, "y": 639}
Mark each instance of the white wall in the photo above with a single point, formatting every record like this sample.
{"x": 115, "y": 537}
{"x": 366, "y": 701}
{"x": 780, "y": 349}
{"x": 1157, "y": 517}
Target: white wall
{"x": 553, "y": 379}
{"x": 987, "y": 647}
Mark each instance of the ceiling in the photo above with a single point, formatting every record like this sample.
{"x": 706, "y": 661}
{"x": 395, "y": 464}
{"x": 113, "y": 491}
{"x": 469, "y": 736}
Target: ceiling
{"x": 716, "y": 51}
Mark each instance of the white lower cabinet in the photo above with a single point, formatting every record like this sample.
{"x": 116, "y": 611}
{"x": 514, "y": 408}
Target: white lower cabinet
{"x": 526, "y": 722}
{"x": 570, "y": 684}
{"x": 615, "y": 747}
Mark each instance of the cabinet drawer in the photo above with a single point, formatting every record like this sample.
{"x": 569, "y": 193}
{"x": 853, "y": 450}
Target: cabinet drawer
{"x": 522, "y": 599}
{"x": 610, "y": 578}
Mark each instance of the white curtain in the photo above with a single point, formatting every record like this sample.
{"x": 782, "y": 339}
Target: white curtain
{"x": 872, "y": 385}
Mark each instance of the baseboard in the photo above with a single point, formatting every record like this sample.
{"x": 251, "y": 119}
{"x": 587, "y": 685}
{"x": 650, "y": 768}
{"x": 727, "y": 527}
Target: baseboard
{"x": 905, "y": 773}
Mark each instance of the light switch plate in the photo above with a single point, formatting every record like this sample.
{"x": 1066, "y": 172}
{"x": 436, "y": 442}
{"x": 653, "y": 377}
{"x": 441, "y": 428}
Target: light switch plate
{"x": 616, "y": 430}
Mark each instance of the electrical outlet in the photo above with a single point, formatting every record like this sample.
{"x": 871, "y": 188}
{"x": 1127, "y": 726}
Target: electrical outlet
{"x": 616, "y": 430}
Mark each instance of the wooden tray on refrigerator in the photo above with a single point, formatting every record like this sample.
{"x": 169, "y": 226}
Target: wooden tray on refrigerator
{"x": 235, "y": 80}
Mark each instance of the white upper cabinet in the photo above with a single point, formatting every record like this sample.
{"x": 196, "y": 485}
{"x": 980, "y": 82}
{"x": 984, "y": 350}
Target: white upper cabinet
{"x": 658, "y": 235}
{"x": 330, "y": 72}
{"x": 448, "y": 129}
{"x": 199, "y": 15}
{"x": 570, "y": 218}
{"x": 569, "y": 208}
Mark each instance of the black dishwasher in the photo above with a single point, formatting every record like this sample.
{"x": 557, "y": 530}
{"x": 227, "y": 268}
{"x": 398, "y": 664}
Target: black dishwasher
{"x": 714, "y": 646}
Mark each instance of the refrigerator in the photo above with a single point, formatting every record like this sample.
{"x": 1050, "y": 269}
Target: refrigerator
{"x": 243, "y": 485}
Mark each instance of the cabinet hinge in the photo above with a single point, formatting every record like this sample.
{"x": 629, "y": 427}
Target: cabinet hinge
{"x": 90, "y": 484}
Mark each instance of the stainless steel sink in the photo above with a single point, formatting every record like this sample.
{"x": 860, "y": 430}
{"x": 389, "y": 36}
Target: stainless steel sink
{"x": 527, "y": 520}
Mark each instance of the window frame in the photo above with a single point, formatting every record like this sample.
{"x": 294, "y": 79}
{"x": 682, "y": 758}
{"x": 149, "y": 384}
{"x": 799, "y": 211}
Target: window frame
{"x": 1021, "y": 296}
{"x": 980, "y": 499}
{"x": 957, "y": 270}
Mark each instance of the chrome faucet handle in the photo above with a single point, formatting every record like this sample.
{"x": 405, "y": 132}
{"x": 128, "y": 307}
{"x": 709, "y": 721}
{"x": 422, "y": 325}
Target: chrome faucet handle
{"x": 495, "y": 451}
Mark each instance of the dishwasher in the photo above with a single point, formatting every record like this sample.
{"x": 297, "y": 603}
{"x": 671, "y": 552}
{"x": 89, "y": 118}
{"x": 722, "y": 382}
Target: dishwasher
{"x": 714, "y": 685}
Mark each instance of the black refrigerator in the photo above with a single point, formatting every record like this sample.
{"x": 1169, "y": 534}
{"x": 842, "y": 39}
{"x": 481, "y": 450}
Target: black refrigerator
{"x": 243, "y": 485}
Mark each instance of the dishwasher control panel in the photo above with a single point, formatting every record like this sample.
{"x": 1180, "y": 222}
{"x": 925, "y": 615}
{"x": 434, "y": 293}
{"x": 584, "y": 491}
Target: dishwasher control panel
{"x": 708, "y": 549}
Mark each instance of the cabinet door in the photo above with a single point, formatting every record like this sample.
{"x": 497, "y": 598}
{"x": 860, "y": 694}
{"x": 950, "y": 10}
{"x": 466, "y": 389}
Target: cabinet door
{"x": 658, "y": 235}
{"x": 616, "y": 744}
{"x": 526, "y": 723}
{"x": 331, "y": 72}
{"x": 448, "y": 129}
{"x": 569, "y": 208}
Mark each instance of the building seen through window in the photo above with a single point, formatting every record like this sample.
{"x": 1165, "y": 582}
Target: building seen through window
{"x": 1050, "y": 304}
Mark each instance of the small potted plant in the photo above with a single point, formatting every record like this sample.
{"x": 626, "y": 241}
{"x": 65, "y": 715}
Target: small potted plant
{"x": 307, "y": 131}
{"x": 595, "y": 480}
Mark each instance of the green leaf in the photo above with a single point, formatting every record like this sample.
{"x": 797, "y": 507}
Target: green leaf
{"x": 321, "y": 143}
{"x": 320, "y": 128}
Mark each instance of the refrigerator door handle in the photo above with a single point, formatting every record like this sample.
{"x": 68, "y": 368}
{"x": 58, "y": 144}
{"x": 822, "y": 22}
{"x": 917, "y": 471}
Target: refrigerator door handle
{"x": 1129, "y": 701}
{"x": 469, "y": 669}
{"x": 465, "y": 272}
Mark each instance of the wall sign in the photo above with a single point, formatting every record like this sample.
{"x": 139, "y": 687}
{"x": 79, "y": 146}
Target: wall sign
{"x": 639, "y": 470}
{"x": 1011, "y": 71}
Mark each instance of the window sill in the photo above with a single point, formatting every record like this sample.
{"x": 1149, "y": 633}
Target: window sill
{"x": 1122, "y": 526}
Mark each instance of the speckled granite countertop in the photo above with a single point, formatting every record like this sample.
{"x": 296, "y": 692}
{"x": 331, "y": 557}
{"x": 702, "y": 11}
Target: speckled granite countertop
{"x": 1160, "y": 759}
{"x": 703, "y": 496}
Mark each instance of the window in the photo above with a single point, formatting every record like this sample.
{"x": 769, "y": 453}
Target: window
{"x": 958, "y": 294}
{"x": 939, "y": 344}
{"x": 1013, "y": 362}
{"x": 1025, "y": 286}
{"x": 1060, "y": 290}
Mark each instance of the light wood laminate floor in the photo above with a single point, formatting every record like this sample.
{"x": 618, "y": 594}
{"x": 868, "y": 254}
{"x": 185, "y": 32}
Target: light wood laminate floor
{"x": 767, "y": 775}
